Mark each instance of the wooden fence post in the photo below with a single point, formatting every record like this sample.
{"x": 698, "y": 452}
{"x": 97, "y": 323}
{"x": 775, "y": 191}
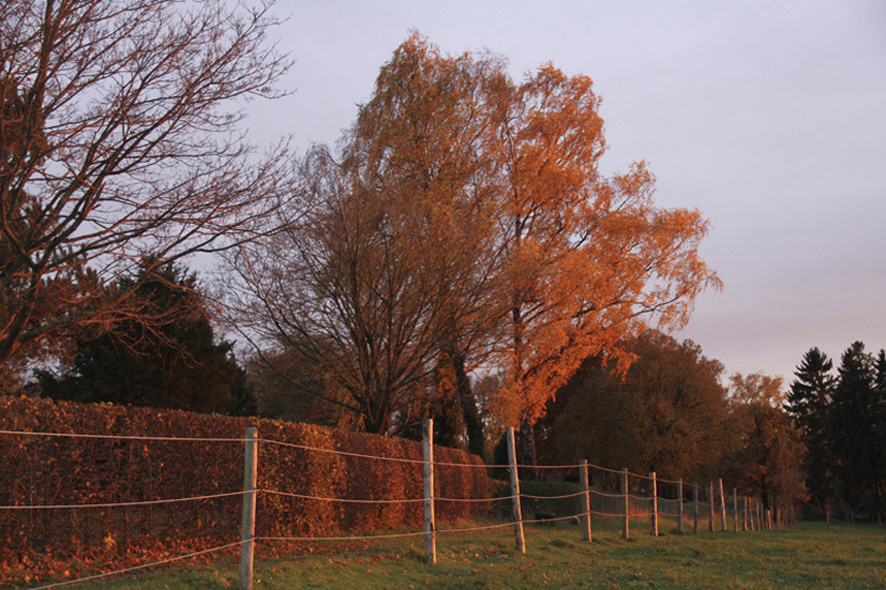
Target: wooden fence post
{"x": 515, "y": 492}
{"x": 586, "y": 500}
{"x": 626, "y": 524}
{"x": 654, "y": 504}
{"x": 722, "y": 504}
{"x": 711, "y": 501}
{"x": 695, "y": 508}
{"x": 247, "y": 523}
{"x": 680, "y": 506}
{"x": 427, "y": 447}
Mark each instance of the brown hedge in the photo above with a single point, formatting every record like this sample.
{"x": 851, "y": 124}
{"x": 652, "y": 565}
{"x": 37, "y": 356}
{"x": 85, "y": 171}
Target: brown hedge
{"x": 63, "y": 470}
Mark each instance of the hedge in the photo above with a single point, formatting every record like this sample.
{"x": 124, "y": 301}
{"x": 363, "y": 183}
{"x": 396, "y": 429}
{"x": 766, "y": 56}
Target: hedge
{"x": 39, "y": 470}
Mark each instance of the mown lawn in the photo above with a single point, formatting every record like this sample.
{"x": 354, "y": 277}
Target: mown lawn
{"x": 809, "y": 556}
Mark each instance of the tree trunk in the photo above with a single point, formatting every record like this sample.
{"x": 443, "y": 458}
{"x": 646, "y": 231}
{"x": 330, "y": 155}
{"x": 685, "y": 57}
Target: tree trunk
{"x": 473, "y": 424}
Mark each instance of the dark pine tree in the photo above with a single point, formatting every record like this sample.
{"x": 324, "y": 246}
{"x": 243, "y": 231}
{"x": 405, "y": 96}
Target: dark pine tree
{"x": 808, "y": 403}
{"x": 853, "y": 431}
{"x": 880, "y": 421}
{"x": 172, "y": 360}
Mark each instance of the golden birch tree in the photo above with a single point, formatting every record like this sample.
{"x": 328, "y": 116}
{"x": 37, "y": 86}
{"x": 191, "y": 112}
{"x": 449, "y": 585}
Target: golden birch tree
{"x": 588, "y": 261}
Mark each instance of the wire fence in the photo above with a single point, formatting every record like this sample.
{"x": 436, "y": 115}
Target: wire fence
{"x": 602, "y": 493}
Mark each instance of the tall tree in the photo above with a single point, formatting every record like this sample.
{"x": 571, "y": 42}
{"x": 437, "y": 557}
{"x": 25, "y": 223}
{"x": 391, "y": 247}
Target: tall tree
{"x": 879, "y": 417}
{"x": 808, "y": 403}
{"x": 766, "y": 455}
{"x": 768, "y": 460}
{"x": 426, "y": 136}
{"x": 120, "y": 137}
{"x": 385, "y": 280}
{"x": 174, "y": 362}
{"x": 588, "y": 261}
{"x": 854, "y": 432}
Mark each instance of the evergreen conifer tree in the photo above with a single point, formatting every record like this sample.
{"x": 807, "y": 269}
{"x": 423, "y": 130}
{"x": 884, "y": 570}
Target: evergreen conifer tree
{"x": 853, "y": 432}
{"x": 808, "y": 403}
{"x": 175, "y": 364}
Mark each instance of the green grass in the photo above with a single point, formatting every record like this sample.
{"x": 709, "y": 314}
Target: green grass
{"x": 809, "y": 556}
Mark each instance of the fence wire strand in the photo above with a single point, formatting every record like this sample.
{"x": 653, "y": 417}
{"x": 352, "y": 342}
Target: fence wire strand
{"x": 138, "y": 567}
{"x": 343, "y": 453}
{"x": 575, "y": 495}
{"x": 121, "y": 436}
{"x": 123, "y": 504}
{"x": 343, "y": 500}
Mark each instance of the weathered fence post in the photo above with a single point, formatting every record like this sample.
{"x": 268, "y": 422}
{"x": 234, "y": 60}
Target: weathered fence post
{"x": 247, "y": 523}
{"x": 749, "y": 519}
{"x": 722, "y": 504}
{"x": 695, "y": 508}
{"x": 515, "y": 493}
{"x": 626, "y": 524}
{"x": 586, "y": 499}
{"x": 735, "y": 509}
{"x": 427, "y": 447}
{"x": 711, "y": 501}
{"x": 680, "y": 506}
{"x": 654, "y": 504}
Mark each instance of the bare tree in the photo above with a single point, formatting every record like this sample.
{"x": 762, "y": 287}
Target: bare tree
{"x": 119, "y": 137}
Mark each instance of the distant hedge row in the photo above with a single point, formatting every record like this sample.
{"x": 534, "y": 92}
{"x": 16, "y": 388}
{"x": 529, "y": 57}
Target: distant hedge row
{"x": 39, "y": 470}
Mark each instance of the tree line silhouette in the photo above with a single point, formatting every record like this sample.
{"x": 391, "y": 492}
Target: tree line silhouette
{"x": 842, "y": 416}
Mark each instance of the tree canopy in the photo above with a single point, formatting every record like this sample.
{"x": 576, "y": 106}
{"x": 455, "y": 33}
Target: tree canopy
{"x": 464, "y": 221}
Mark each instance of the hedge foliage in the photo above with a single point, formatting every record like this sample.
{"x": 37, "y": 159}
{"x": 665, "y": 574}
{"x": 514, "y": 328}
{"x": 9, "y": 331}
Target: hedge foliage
{"x": 41, "y": 470}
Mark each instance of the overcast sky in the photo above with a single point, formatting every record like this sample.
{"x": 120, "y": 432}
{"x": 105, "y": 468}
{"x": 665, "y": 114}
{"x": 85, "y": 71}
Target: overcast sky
{"x": 769, "y": 117}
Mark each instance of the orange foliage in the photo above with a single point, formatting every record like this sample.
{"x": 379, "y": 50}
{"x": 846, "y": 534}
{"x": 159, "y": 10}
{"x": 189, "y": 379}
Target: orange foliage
{"x": 589, "y": 260}
{"x": 573, "y": 262}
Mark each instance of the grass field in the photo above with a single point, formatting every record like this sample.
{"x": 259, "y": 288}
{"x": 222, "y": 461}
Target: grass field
{"x": 809, "y": 556}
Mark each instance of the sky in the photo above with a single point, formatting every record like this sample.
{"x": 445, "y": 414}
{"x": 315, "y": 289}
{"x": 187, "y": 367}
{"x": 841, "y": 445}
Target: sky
{"x": 768, "y": 117}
